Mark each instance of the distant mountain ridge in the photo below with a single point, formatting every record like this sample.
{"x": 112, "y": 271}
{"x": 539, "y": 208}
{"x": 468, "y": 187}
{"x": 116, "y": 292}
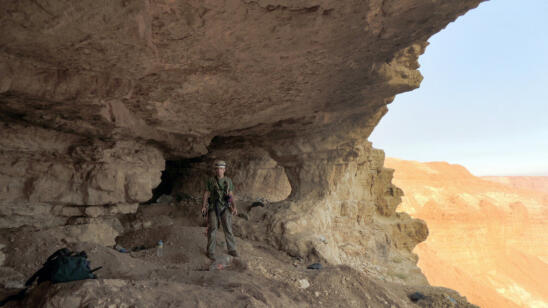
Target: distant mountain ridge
{"x": 536, "y": 183}
{"x": 487, "y": 235}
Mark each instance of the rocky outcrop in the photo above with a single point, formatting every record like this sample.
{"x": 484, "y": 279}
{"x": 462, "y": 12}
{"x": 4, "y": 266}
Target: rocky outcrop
{"x": 181, "y": 72}
{"x": 94, "y": 96}
{"x": 341, "y": 208}
{"x": 51, "y": 179}
{"x": 255, "y": 175}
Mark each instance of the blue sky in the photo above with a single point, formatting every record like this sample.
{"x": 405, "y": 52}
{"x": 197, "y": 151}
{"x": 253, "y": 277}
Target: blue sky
{"x": 483, "y": 102}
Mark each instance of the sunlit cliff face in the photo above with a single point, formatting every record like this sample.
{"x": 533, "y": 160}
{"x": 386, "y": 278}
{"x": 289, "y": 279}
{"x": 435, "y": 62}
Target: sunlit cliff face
{"x": 486, "y": 239}
{"x": 95, "y": 96}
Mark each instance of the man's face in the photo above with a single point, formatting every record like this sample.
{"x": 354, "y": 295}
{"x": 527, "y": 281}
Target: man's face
{"x": 220, "y": 171}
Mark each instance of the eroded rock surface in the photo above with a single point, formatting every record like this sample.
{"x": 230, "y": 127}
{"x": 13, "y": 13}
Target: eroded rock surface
{"x": 50, "y": 179}
{"x": 182, "y": 72}
{"x": 341, "y": 208}
{"x": 94, "y": 96}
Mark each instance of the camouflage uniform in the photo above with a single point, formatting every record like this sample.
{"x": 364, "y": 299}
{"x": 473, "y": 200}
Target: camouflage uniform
{"x": 218, "y": 189}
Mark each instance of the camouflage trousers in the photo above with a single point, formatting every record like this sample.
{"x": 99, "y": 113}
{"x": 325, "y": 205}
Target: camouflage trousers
{"x": 226, "y": 222}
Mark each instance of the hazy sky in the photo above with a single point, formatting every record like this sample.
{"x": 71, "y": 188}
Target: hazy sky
{"x": 483, "y": 102}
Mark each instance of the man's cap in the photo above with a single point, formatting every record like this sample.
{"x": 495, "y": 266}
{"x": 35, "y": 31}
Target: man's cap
{"x": 220, "y": 163}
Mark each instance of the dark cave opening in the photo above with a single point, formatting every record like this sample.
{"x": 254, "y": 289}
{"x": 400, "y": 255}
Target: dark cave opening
{"x": 175, "y": 172}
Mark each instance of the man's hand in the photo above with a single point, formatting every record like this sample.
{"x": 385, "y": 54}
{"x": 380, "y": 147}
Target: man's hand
{"x": 233, "y": 206}
{"x": 205, "y": 202}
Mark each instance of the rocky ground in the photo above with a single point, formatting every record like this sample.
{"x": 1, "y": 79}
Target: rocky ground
{"x": 183, "y": 277}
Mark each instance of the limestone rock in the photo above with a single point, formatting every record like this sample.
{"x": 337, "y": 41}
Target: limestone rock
{"x": 340, "y": 191}
{"x": 96, "y": 95}
{"x": 303, "y": 284}
{"x": 178, "y": 73}
{"x": 11, "y": 279}
{"x": 253, "y": 172}
{"x": 101, "y": 231}
{"x": 46, "y": 182}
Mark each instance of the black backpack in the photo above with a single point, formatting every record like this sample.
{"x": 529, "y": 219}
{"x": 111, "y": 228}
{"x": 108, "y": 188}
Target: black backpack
{"x": 62, "y": 266}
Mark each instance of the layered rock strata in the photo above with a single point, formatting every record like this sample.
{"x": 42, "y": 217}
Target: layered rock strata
{"x": 341, "y": 208}
{"x": 95, "y": 95}
{"x": 487, "y": 239}
{"x": 53, "y": 179}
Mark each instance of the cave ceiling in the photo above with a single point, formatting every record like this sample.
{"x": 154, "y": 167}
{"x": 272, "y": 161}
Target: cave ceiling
{"x": 179, "y": 73}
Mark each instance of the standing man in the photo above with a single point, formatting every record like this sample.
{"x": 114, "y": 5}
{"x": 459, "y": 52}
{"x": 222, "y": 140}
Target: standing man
{"x": 218, "y": 205}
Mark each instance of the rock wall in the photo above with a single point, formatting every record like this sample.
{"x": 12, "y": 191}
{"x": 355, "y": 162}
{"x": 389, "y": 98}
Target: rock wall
{"x": 95, "y": 95}
{"x": 341, "y": 209}
{"x": 53, "y": 179}
{"x": 255, "y": 175}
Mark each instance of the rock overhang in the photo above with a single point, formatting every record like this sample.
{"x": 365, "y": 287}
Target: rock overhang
{"x": 178, "y": 73}
{"x": 90, "y": 91}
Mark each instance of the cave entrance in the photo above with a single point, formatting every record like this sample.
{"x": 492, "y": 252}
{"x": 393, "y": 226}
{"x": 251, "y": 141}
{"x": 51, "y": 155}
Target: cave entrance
{"x": 176, "y": 172}
{"x": 256, "y": 177}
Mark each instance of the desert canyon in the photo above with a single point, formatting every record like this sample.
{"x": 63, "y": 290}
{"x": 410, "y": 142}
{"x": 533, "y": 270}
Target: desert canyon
{"x": 488, "y": 235}
{"x": 112, "y": 112}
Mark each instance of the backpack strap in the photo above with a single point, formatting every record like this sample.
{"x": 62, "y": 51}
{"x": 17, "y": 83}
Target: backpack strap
{"x": 218, "y": 187}
{"x": 33, "y": 277}
{"x": 96, "y": 269}
{"x": 220, "y": 202}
